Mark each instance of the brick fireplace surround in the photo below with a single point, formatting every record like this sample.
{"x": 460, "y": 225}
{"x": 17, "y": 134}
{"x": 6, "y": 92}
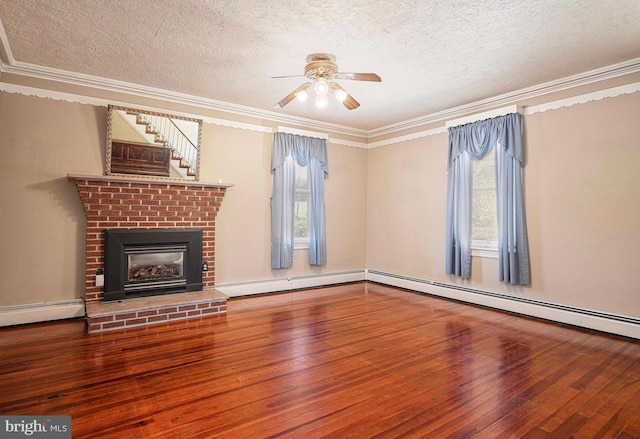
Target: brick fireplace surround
{"x": 131, "y": 202}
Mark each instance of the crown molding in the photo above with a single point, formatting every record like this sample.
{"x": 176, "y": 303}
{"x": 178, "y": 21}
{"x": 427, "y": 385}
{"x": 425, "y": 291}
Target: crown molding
{"x": 583, "y": 99}
{"x": 514, "y": 97}
{"x": 527, "y": 111}
{"x": 99, "y": 102}
{"x": 5, "y": 50}
{"x": 553, "y": 105}
{"x": 46, "y": 73}
{"x": 405, "y": 138}
{"x": 348, "y": 143}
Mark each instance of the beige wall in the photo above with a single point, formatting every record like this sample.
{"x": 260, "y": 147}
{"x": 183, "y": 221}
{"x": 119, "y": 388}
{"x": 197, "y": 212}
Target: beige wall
{"x": 582, "y": 190}
{"x": 385, "y": 206}
{"x": 42, "y": 222}
{"x": 406, "y": 202}
{"x": 42, "y": 225}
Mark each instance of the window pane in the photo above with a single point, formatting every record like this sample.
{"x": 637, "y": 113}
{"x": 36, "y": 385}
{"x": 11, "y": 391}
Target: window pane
{"x": 301, "y": 215}
{"x": 484, "y": 217}
{"x": 302, "y": 178}
{"x": 301, "y": 207}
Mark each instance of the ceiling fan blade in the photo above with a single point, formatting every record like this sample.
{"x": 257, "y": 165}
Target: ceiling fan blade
{"x": 288, "y": 76}
{"x": 349, "y": 100}
{"x": 350, "y": 103}
{"x": 291, "y": 96}
{"x": 359, "y": 76}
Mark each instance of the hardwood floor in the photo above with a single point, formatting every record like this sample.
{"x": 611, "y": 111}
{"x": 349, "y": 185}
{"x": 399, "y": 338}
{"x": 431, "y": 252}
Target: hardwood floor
{"x": 353, "y": 361}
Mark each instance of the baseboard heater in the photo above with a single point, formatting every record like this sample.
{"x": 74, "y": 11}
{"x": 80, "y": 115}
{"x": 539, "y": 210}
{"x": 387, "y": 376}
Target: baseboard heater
{"x": 41, "y": 312}
{"x": 290, "y": 283}
{"x": 617, "y": 324}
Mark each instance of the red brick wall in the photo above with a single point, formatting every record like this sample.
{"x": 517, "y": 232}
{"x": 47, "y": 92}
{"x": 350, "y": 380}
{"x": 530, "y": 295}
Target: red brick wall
{"x": 116, "y": 204}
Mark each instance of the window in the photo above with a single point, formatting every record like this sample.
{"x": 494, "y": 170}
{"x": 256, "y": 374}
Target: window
{"x": 301, "y": 207}
{"x": 306, "y": 210}
{"x": 484, "y": 217}
{"x": 470, "y": 142}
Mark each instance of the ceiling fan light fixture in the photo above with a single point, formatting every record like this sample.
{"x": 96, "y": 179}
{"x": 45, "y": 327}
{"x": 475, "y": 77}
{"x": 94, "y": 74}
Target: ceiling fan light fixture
{"x": 321, "y": 87}
{"x": 322, "y": 70}
{"x": 340, "y": 95}
{"x": 302, "y": 95}
{"x": 322, "y": 101}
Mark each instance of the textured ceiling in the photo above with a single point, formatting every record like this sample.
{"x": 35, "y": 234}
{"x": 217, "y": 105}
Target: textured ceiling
{"x": 431, "y": 54}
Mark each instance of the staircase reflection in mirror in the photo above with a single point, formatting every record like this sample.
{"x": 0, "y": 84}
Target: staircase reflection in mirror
{"x": 147, "y": 143}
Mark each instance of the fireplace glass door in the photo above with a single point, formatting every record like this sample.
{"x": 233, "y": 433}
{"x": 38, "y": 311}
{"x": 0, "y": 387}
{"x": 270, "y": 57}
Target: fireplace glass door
{"x": 155, "y": 266}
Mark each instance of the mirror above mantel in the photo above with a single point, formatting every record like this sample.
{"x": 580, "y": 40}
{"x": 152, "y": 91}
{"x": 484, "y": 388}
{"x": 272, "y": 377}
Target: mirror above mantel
{"x": 154, "y": 144}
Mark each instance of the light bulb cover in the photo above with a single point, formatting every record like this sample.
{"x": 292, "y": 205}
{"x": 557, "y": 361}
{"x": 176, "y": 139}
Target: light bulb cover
{"x": 321, "y": 87}
{"x": 341, "y": 95}
{"x": 322, "y": 101}
{"x": 302, "y": 95}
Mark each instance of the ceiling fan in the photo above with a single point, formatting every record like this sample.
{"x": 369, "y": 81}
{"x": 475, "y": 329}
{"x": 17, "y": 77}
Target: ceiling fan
{"x": 322, "y": 69}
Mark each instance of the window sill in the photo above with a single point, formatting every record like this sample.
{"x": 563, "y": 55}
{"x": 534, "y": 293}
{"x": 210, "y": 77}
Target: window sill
{"x": 301, "y": 245}
{"x": 478, "y": 252}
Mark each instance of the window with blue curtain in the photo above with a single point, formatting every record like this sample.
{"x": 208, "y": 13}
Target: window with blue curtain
{"x": 289, "y": 149}
{"x": 301, "y": 207}
{"x": 473, "y": 142}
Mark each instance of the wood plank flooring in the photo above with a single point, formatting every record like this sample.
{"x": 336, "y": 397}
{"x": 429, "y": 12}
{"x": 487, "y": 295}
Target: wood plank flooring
{"x": 353, "y": 361}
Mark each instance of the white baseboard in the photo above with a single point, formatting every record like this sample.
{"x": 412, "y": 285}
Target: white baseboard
{"x": 41, "y": 312}
{"x": 611, "y": 323}
{"x": 289, "y": 283}
{"x": 614, "y": 324}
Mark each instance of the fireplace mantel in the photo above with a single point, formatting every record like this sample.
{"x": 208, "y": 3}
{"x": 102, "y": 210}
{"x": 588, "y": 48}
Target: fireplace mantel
{"x": 122, "y": 178}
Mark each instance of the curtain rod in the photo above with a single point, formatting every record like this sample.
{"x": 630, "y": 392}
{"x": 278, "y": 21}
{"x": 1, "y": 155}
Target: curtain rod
{"x": 484, "y": 115}
{"x": 281, "y": 129}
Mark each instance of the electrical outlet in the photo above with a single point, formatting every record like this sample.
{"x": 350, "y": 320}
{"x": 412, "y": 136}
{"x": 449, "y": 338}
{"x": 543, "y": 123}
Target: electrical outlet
{"x": 99, "y": 277}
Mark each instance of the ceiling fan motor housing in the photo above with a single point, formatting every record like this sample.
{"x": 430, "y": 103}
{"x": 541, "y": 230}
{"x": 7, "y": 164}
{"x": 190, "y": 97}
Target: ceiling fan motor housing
{"x": 321, "y": 66}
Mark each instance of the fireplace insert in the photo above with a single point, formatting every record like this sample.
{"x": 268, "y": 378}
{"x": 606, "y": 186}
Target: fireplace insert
{"x": 146, "y": 262}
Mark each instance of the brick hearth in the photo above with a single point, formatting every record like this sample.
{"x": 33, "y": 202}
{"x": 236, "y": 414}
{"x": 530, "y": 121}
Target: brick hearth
{"x": 108, "y": 316}
{"x": 131, "y": 202}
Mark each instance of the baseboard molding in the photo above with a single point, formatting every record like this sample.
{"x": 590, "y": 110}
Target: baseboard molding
{"x": 611, "y": 323}
{"x": 289, "y": 283}
{"x": 626, "y": 326}
{"x": 41, "y": 312}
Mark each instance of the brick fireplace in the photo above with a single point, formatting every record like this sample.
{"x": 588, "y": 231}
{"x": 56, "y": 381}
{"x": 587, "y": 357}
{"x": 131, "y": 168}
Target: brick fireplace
{"x": 131, "y": 202}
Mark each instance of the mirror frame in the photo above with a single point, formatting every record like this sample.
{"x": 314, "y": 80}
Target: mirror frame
{"x": 112, "y": 108}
